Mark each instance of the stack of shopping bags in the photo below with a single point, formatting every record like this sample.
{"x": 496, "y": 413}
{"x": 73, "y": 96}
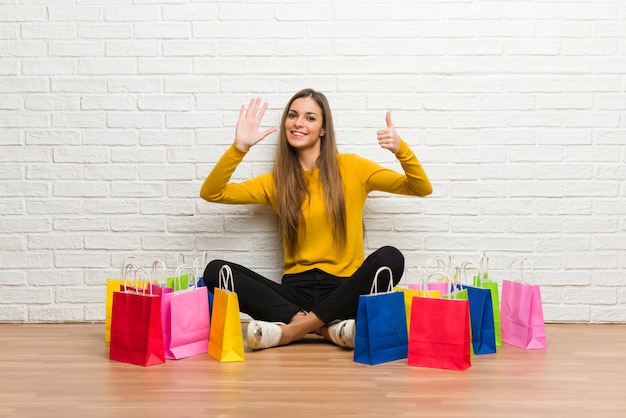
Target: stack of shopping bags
{"x": 151, "y": 318}
{"x": 437, "y": 316}
{"x": 449, "y": 316}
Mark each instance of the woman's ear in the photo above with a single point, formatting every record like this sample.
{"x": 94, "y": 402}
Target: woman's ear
{"x": 322, "y": 132}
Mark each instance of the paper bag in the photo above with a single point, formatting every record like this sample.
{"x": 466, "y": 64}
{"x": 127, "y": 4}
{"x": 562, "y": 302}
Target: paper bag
{"x": 381, "y": 333}
{"x": 440, "y": 333}
{"x": 226, "y": 337}
{"x": 113, "y": 285}
{"x": 136, "y": 331}
{"x": 186, "y": 320}
{"x": 521, "y": 313}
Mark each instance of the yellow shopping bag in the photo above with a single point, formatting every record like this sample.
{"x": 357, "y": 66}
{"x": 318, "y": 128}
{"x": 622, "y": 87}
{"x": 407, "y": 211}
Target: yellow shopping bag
{"x": 226, "y": 337}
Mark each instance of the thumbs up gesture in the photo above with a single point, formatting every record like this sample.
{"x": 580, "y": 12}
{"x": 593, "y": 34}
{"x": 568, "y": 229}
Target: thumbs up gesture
{"x": 388, "y": 138}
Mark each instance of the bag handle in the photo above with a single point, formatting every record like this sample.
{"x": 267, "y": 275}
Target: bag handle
{"x": 225, "y": 277}
{"x": 132, "y": 261}
{"x": 127, "y": 270}
{"x": 454, "y": 290}
{"x": 427, "y": 278}
{"x": 445, "y": 263}
{"x": 153, "y": 272}
{"x": 144, "y": 278}
{"x": 442, "y": 265}
{"x": 374, "y": 288}
{"x": 200, "y": 265}
{"x": 422, "y": 275}
{"x": 524, "y": 262}
{"x": 141, "y": 278}
{"x": 485, "y": 266}
{"x": 190, "y": 277}
{"x": 465, "y": 267}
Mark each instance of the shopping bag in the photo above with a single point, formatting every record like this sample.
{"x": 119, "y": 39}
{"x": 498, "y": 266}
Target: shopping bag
{"x": 199, "y": 267}
{"x": 521, "y": 312}
{"x": 409, "y": 290}
{"x": 381, "y": 333}
{"x": 440, "y": 285}
{"x": 482, "y": 325}
{"x": 485, "y": 280}
{"x": 459, "y": 292}
{"x": 442, "y": 282}
{"x": 440, "y": 333}
{"x": 226, "y": 337}
{"x": 136, "y": 331}
{"x": 113, "y": 285}
{"x": 179, "y": 283}
{"x": 186, "y": 321}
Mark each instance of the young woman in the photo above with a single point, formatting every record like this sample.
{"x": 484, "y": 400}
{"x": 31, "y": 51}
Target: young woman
{"x": 318, "y": 195}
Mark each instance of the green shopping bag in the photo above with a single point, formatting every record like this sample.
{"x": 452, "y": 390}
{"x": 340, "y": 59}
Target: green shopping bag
{"x": 482, "y": 279}
{"x": 178, "y": 283}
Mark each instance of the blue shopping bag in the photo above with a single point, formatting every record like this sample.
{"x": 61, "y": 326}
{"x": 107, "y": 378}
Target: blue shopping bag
{"x": 381, "y": 332}
{"x": 481, "y": 318}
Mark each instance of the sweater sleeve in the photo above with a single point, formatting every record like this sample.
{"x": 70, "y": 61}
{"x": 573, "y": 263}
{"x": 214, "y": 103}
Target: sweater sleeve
{"x": 413, "y": 182}
{"x": 218, "y": 188}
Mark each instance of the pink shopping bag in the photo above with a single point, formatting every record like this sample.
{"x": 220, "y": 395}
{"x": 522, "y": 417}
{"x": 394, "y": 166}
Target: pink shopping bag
{"x": 186, "y": 320}
{"x": 521, "y": 313}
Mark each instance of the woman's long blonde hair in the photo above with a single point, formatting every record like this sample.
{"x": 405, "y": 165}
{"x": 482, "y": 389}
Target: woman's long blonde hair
{"x": 291, "y": 185}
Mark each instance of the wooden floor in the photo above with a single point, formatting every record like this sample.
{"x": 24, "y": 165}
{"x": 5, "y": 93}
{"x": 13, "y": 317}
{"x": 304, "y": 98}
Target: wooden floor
{"x": 63, "y": 370}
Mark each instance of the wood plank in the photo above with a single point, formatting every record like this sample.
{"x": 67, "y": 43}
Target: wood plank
{"x": 63, "y": 370}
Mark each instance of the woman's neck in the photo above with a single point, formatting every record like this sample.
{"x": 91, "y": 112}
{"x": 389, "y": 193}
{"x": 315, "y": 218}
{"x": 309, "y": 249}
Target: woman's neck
{"x": 308, "y": 159}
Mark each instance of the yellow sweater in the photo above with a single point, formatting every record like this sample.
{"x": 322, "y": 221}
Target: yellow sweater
{"x": 359, "y": 175}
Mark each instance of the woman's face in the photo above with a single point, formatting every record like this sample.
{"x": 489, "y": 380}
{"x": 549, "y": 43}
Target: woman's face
{"x": 303, "y": 125}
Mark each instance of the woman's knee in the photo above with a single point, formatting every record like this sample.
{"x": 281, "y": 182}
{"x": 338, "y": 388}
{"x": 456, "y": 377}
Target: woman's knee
{"x": 394, "y": 259}
{"x": 211, "y": 273}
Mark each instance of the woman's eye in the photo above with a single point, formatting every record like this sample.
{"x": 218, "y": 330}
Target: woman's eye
{"x": 311, "y": 119}
{"x": 291, "y": 115}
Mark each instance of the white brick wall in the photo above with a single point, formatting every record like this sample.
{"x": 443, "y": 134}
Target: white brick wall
{"x": 113, "y": 112}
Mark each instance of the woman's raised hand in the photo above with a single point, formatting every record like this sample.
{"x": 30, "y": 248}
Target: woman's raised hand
{"x": 247, "y": 132}
{"x": 388, "y": 138}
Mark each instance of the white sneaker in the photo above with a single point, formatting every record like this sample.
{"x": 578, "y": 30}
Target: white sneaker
{"x": 261, "y": 334}
{"x": 342, "y": 333}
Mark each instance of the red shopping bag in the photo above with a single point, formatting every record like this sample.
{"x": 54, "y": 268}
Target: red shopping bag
{"x": 521, "y": 312}
{"x": 128, "y": 264}
{"x": 186, "y": 321}
{"x": 136, "y": 332}
{"x": 440, "y": 333}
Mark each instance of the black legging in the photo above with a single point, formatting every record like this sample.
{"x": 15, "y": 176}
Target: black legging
{"x": 327, "y": 296}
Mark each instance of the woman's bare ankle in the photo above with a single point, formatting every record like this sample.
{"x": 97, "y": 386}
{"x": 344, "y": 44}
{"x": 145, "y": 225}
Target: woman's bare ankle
{"x": 324, "y": 332}
{"x": 300, "y": 327}
{"x": 298, "y": 316}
